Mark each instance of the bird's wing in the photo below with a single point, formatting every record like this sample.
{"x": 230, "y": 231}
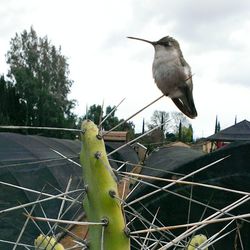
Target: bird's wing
{"x": 183, "y": 61}
{"x": 187, "y": 70}
{"x": 185, "y": 103}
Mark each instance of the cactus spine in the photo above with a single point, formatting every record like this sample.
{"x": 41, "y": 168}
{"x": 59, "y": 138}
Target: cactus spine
{"x": 100, "y": 203}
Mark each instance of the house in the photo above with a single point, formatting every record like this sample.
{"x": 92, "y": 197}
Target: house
{"x": 238, "y": 132}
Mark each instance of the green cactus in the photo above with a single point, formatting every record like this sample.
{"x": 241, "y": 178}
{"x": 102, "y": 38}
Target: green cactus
{"x": 101, "y": 202}
{"x": 196, "y": 241}
{"x": 47, "y": 243}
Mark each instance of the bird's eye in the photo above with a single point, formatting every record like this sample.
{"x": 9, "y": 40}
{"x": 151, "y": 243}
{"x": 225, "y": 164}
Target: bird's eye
{"x": 165, "y": 44}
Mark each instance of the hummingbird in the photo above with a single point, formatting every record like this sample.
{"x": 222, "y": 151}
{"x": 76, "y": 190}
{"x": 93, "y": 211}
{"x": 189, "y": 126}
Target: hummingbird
{"x": 172, "y": 74}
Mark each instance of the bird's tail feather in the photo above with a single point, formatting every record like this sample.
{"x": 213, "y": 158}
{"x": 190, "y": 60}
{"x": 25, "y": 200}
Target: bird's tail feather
{"x": 185, "y": 104}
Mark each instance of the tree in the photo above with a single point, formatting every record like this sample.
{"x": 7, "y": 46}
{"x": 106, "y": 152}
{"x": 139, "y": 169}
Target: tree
{"x": 176, "y": 125}
{"x": 112, "y": 120}
{"x": 41, "y": 76}
{"x": 94, "y": 113}
{"x": 143, "y": 126}
{"x": 12, "y": 109}
{"x": 176, "y": 119}
{"x": 171, "y": 121}
{"x": 170, "y": 137}
{"x": 180, "y": 131}
{"x": 159, "y": 117}
{"x": 185, "y": 134}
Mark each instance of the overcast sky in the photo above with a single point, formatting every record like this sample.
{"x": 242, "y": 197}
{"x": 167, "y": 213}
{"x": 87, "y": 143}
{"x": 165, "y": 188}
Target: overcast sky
{"x": 214, "y": 37}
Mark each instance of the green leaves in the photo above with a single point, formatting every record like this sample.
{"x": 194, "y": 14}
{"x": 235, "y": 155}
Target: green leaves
{"x": 40, "y": 75}
{"x": 94, "y": 113}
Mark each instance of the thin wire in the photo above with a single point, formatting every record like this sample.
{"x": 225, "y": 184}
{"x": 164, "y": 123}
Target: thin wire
{"x": 137, "y": 138}
{"x": 141, "y": 219}
{"x": 87, "y": 112}
{"x": 80, "y": 223}
{"x": 65, "y": 157}
{"x": 239, "y": 235}
{"x": 120, "y": 167}
{"x": 146, "y": 167}
{"x": 45, "y": 216}
{"x": 138, "y": 242}
{"x": 154, "y": 238}
{"x": 37, "y": 226}
{"x": 34, "y": 202}
{"x": 122, "y": 122}
{"x": 199, "y": 223}
{"x": 111, "y": 112}
{"x": 182, "y": 178}
{"x": 150, "y": 239}
{"x": 25, "y": 225}
{"x": 190, "y": 203}
{"x": 72, "y": 235}
{"x": 19, "y": 244}
{"x": 204, "y": 244}
{"x": 41, "y": 128}
{"x": 217, "y": 239}
{"x": 147, "y": 235}
{"x": 222, "y": 211}
{"x": 101, "y": 114}
{"x": 33, "y": 191}
{"x": 138, "y": 215}
{"x": 170, "y": 233}
{"x": 102, "y": 238}
{"x": 34, "y": 162}
{"x": 186, "y": 183}
{"x": 202, "y": 216}
{"x": 59, "y": 191}
{"x": 63, "y": 201}
{"x": 134, "y": 188}
{"x": 71, "y": 205}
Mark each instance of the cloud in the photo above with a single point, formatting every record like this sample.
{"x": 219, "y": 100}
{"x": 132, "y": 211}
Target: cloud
{"x": 194, "y": 20}
{"x": 214, "y": 37}
{"x": 216, "y": 31}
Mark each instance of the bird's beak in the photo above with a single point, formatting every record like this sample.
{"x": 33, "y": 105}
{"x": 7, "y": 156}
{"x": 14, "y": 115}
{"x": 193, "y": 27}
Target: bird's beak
{"x": 140, "y": 39}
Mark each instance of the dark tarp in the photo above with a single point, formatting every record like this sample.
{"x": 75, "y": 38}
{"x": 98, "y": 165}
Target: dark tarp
{"x": 238, "y": 132}
{"x": 232, "y": 172}
{"x": 169, "y": 159}
{"x": 28, "y": 161}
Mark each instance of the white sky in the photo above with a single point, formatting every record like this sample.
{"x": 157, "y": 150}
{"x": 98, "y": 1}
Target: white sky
{"x": 105, "y": 65}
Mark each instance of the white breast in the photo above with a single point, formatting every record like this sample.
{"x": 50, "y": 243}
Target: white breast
{"x": 168, "y": 71}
